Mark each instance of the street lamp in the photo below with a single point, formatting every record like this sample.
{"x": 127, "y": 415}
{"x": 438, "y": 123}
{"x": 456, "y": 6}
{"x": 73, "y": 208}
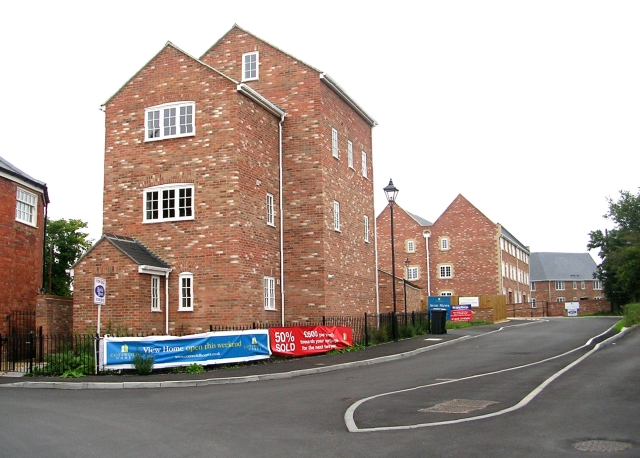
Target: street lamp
{"x": 404, "y": 283}
{"x": 392, "y": 193}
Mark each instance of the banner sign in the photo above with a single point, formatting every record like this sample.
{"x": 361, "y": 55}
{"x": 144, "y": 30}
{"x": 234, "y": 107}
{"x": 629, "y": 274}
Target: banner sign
{"x": 440, "y": 303}
{"x": 572, "y": 308}
{"x": 169, "y": 351}
{"x": 309, "y": 340}
{"x": 461, "y": 312}
{"x": 473, "y": 301}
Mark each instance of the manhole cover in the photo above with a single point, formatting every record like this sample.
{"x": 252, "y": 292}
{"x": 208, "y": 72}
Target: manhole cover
{"x": 458, "y": 406}
{"x": 601, "y": 446}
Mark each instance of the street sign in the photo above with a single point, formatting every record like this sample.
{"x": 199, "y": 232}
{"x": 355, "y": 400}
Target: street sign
{"x": 99, "y": 291}
{"x": 461, "y": 312}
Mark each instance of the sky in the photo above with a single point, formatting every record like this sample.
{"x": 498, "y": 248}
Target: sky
{"x": 529, "y": 109}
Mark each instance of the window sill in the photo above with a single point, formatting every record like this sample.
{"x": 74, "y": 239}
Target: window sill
{"x": 156, "y": 311}
{"x": 158, "y": 139}
{"x": 168, "y": 220}
{"x": 185, "y": 310}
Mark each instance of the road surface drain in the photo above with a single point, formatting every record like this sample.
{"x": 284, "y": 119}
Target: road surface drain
{"x": 601, "y": 446}
{"x": 458, "y": 406}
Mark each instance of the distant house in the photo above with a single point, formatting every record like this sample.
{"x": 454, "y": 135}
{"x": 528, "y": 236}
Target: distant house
{"x": 23, "y": 204}
{"x": 247, "y": 175}
{"x": 564, "y": 277}
{"x": 462, "y": 253}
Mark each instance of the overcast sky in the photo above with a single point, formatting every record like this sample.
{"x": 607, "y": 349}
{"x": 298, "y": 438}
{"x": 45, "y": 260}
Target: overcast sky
{"x": 531, "y": 110}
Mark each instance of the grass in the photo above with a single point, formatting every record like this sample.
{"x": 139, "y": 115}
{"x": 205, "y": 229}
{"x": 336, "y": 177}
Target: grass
{"x": 466, "y": 324}
{"x": 631, "y": 314}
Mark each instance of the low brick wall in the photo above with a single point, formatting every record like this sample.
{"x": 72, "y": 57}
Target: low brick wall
{"x": 544, "y": 308}
{"x": 54, "y": 314}
{"x": 385, "y": 289}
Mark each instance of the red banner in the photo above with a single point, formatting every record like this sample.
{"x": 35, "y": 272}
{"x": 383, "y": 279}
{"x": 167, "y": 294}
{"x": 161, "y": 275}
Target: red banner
{"x": 309, "y": 340}
{"x": 461, "y": 315}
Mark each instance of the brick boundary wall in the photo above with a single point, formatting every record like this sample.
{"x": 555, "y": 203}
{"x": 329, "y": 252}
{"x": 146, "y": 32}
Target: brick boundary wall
{"x": 54, "y": 314}
{"x": 553, "y": 309}
{"x": 414, "y": 294}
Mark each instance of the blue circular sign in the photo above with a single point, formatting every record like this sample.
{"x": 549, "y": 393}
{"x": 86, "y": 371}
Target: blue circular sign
{"x": 100, "y": 291}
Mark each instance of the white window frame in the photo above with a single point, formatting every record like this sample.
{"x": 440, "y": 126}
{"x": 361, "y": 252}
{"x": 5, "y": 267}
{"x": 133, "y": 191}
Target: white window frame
{"x": 249, "y": 73}
{"x": 335, "y": 151}
{"x": 446, "y": 293}
{"x": 186, "y": 292}
{"x": 413, "y": 273}
{"x": 350, "y": 154}
{"x": 597, "y": 285}
{"x": 575, "y": 285}
{"x": 364, "y": 164}
{"x": 173, "y": 203}
{"x": 158, "y": 119}
{"x": 534, "y": 304}
{"x": 559, "y": 285}
{"x": 336, "y": 216}
{"x": 533, "y": 286}
{"x": 155, "y": 294}
{"x": 269, "y": 293}
{"x": 560, "y": 299}
{"x": 444, "y": 243}
{"x": 26, "y": 207}
{"x": 366, "y": 229}
{"x": 411, "y": 246}
{"x": 582, "y": 285}
{"x": 443, "y": 269}
{"x": 270, "y": 211}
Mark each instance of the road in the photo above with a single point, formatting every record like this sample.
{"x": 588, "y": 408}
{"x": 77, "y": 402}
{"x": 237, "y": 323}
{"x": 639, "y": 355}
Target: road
{"x": 531, "y": 390}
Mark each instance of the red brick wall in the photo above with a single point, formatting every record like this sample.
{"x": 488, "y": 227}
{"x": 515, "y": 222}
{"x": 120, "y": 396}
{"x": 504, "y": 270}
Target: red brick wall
{"x": 414, "y": 295}
{"x": 54, "y": 314}
{"x": 545, "y": 291}
{"x": 313, "y": 179}
{"x": 21, "y": 248}
{"x": 128, "y": 299}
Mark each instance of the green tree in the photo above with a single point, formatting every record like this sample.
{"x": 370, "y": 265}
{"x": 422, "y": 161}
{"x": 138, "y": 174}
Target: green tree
{"x": 65, "y": 243}
{"x": 620, "y": 250}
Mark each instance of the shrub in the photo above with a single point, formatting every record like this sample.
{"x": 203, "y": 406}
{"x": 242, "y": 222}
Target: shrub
{"x": 143, "y": 363}
{"x": 195, "y": 369}
{"x": 631, "y": 314}
{"x": 69, "y": 362}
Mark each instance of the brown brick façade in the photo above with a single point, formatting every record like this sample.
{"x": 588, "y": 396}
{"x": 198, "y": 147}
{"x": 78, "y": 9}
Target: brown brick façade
{"x": 233, "y": 162}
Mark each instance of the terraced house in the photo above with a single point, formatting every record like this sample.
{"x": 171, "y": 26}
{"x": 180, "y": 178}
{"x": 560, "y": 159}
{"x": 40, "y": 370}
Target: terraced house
{"x": 23, "y": 206}
{"x": 462, "y": 253}
{"x": 238, "y": 187}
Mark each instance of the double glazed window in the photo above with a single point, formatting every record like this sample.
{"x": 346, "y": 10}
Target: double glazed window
{"x": 250, "y": 63}
{"x": 165, "y": 203}
{"x": 446, "y": 271}
{"x": 26, "y": 206}
{"x": 269, "y": 293}
{"x": 170, "y": 120}
{"x": 186, "y": 291}
{"x": 412, "y": 273}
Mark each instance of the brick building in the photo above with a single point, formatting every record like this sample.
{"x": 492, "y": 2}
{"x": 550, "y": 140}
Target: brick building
{"x": 248, "y": 175}
{"x": 23, "y": 204}
{"x": 564, "y": 277}
{"x": 462, "y": 253}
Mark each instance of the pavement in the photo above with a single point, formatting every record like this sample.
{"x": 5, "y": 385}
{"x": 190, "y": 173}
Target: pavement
{"x": 262, "y": 370}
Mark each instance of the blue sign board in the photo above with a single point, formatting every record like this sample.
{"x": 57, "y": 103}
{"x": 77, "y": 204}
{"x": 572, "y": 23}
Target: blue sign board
{"x": 168, "y": 351}
{"x": 440, "y": 303}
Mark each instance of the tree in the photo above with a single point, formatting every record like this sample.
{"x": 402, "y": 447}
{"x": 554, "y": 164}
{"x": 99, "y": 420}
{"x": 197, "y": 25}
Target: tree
{"x": 65, "y": 243}
{"x": 619, "y": 270}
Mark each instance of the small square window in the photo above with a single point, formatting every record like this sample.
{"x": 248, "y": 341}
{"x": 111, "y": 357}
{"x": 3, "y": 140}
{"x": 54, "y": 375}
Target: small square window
{"x": 412, "y": 273}
{"x": 446, "y": 271}
{"x": 250, "y": 66}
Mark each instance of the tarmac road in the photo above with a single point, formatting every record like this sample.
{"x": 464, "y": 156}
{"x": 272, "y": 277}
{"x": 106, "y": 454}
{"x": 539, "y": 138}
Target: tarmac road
{"x": 594, "y": 404}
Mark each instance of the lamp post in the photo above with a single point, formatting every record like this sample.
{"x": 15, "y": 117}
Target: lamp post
{"x": 392, "y": 193}
{"x": 404, "y": 284}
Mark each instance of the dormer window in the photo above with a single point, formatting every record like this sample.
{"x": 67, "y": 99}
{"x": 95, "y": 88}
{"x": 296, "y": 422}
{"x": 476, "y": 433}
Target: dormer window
{"x": 170, "y": 120}
{"x": 250, "y": 63}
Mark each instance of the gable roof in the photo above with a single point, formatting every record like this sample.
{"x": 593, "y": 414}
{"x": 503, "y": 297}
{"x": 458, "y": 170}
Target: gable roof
{"x": 420, "y": 220}
{"x": 324, "y": 77}
{"x": 507, "y": 235}
{"x": 133, "y": 249}
{"x": 561, "y": 266}
{"x": 12, "y": 170}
